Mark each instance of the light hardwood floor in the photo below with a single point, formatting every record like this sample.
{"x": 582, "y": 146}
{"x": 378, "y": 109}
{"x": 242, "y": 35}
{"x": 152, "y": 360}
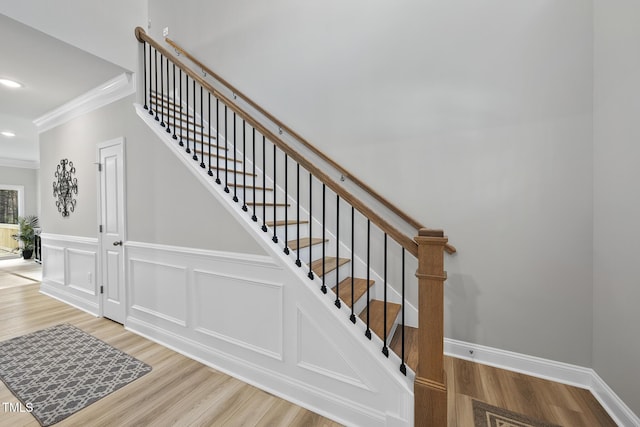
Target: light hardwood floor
{"x": 183, "y": 392}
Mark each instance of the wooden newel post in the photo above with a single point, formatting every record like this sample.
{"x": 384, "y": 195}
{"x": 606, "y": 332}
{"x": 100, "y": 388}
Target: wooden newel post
{"x": 430, "y": 389}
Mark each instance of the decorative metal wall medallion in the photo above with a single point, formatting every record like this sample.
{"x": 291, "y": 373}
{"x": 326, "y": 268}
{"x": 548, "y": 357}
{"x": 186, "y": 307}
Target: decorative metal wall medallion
{"x": 65, "y": 187}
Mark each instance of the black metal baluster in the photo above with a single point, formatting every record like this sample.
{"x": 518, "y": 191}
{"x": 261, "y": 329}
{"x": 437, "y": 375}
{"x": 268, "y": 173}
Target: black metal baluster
{"x": 310, "y": 275}
{"x": 337, "y": 302}
{"x": 298, "y": 262}
{"x": 226, "y": 150}
{"x": 324, "y": 236}
{"x": 144, "y": 73}
{"x": 218, "y": 141}
{"x": 181, "y": 143}
{"x": 209, "y": 172}
{"x": 235, "y": 151}
{"x": 161, "y": 91}
{"x": 264, "y": 184}
{"x": 254, "y": 218}
{"x": 177, "y": 109}
{"x": 168, "y": 97}
{"x": 286, "y": 197}
{"x": 195, "y": 135}
{"x": 150, "y": 83}
{"x": 367, "y": 333}
{"x": 275, "y": 198}
{"x": 186, "y": 132}
{"x": 385, "y": 349}
{"x": 155, "y": 59}
{"x": 403, "y": 366}
{"x": 244, "y": 167}
{"x": 353, "y": 314}
{"x": 202, "y": 165}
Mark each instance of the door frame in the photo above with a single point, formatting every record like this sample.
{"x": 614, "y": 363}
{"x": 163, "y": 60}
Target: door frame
{"x": 123, "y": 270}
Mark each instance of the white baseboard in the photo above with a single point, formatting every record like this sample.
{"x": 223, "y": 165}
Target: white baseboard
{"x": 560, "y": 372}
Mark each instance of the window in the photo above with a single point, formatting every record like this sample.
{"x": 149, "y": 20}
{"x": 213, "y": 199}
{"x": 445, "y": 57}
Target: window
{"x": 10, "y": 203}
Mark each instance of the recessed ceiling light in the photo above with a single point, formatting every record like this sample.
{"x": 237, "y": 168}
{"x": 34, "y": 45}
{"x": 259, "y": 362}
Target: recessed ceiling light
{"x": 10, "y": 83}
{"x": 8, "y": 133}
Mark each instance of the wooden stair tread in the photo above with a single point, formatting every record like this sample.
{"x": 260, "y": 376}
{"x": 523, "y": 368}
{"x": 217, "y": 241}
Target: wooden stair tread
{"x": 269, "y": 204}
{"x": 163, "y": 101}
{"x": 213, "y": 154}
{"x": 248, "y": 187}
{"x": 157, "y": 95}
{"x": 282, "y": 222}
{"x": 230, "y": 170}
{"x": 200, "y": 142}
{"x": 197, "y": 132}
{"x": 376, "y": 316}
{"x": 410, "y": 345}
{"x": 331, "y": 263}
{"x": 305, "y": 242}
{"x": 181, "y": 117}
{"x": 359, "y": 289}
{"x": 168, "y": 107}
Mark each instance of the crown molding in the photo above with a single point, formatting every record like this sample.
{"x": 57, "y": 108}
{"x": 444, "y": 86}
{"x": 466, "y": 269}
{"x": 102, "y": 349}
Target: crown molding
{"x": 108, "y": 92}
{"x": 17, "y": 163}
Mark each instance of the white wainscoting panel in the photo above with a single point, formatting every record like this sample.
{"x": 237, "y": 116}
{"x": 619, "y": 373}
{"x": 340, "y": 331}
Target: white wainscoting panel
{"x": 53, "y": 264}
{"x": 70, "y": 270}
{"x": 260, "y": 319}
{"x": 239, "y": 310}
{"x": 158, "y": 290}
{"x": 81, "y": 265}
{"x": 318, "y": 353}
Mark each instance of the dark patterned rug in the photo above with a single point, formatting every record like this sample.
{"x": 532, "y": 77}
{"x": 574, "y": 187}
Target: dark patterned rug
{"x": 485, "y": 415}
{"x": 59, "y": 370}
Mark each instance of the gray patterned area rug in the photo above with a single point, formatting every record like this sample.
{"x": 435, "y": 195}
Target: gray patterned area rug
{"x": 485, "y": 415}
{"x": 59, "y": 370}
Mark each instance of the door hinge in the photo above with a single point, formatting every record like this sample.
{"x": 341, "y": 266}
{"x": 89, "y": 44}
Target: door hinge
{"x": 99, "y": 167}
{"x": 102, "y": 289}
{"x": 100, "y": 227}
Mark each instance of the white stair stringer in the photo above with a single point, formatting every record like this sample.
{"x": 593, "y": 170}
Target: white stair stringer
{"x": 319, "y": 359}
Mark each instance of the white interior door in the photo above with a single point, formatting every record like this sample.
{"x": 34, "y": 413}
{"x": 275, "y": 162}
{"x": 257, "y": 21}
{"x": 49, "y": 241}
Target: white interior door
{"x": 112, "y": 227}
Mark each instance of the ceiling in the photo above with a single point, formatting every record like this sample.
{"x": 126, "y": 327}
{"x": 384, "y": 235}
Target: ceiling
{"x": 52, "y": 72}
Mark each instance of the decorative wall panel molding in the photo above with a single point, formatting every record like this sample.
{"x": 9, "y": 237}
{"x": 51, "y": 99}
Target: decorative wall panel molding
{"x": 70, "y": 270}
{"x": 240, "y": 310}
{"x": 261, "y": 320}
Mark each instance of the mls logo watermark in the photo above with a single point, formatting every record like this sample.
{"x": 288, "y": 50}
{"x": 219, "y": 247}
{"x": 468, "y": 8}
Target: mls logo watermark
{"x": 17, "y": 407}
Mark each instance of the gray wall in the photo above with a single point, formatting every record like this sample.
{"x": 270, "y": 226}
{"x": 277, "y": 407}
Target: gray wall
{"x": 165, "y": 203}
{"x": 27, "y": 178}
{"x": 616, "y": 347}
{"x": 471, "y": 116}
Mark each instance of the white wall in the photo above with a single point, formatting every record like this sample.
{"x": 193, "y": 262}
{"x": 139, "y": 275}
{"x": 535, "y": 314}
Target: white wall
{"x": 616, "y": 347}
{"x": 104, "y": 29}
{"x": 485, "y": 108}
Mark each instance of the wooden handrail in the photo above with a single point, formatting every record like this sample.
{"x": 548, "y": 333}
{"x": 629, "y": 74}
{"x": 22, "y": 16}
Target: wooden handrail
{"x": 393, "y": 208}
{"x": 405, "y": 241}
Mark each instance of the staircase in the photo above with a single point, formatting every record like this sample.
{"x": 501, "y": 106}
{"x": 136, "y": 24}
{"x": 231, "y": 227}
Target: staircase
{"x": 354, "y": 256}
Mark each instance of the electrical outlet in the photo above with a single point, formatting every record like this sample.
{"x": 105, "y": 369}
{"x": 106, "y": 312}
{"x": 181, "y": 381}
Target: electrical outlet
{"x": 165, "y": 31}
